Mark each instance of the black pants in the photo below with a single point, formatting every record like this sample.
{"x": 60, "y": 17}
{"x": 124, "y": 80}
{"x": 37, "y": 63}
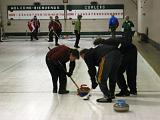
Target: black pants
{"x": 108, "y": 68}
{"x": 34, "y": 34}
{"x": 113, "y": 32}
{"x": 57, "y": 72}
{"x": 128, "y": 65}
{"x": 77, "y": 38}
{"x": 128, "y": 35}
{"x": 57, "y": 34}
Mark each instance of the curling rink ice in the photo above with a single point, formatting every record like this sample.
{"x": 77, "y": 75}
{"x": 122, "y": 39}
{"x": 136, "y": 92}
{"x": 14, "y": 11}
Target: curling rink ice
{"x": 26, "y": 87}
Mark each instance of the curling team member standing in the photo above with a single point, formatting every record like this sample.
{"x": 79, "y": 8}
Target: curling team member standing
{"x": 55, "y": 28}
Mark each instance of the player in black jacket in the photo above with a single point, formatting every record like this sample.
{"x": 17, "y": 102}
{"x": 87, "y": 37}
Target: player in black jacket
{"x": 128, "y": 65}
{"x": 108, "y": 60}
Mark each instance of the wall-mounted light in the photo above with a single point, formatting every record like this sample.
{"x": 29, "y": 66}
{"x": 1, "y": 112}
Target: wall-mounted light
{"x": 65, "y": 1}
{"x": 94, "y": 3}
{"x": 36, "y": 3}
{"x": 144, "y": 14}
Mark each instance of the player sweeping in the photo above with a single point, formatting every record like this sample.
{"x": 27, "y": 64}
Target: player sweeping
{"x": 56, "y": 60}
{"x": 128, "y": 65}
{"x": 107, "y": 59}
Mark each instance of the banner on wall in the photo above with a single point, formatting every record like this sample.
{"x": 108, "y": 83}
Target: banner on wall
{"x": 95, "y": 11}
{"x": 23, "y": 12}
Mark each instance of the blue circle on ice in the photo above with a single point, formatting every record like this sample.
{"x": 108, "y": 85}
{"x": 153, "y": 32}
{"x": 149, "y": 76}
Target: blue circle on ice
{"x": 121, "y": 103}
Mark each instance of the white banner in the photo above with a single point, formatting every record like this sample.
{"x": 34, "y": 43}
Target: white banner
{"x": 29, "y": 14}
{"x": 22, "y": 12}
{"x": 95, "y": 14}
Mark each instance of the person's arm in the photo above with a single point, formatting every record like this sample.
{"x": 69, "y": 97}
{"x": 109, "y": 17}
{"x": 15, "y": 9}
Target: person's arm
{"x": 71, "y": 68}
{"x": 60, "y": 25}
{"x": 132, "y": 25}
{"x": 79, "y": 26}
{"x": 91, "y": 70}
{"x": 111, "y": 41}
{"x": 117, "y": 23}
{"x": 109, "y": 23}
{"x": 123, "y": 24}
{"x": 33, "y": 27}
{"x": 50, "y": 26}
{"x": 39, "y": 24}
{"x": 132, "y": 28}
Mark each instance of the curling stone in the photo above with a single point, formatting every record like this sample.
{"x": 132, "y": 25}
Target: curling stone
{"x": 83, "y": 90}
{"x": 121, "y": 106}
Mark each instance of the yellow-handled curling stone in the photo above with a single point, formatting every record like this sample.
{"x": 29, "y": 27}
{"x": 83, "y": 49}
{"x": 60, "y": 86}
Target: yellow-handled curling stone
{"x": 121, "y": 106}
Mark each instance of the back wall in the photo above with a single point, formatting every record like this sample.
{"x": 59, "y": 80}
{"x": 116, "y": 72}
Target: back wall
{"x": 20, "y": 26}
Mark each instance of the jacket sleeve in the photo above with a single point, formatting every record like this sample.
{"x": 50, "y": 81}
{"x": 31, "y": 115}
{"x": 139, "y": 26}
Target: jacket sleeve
{"x": 117, "y": 24}
{"x": 132, "y": 25}
{"x": 110, "y": 22}
{"x": 71, "y": 67}
{"x": 39, "y": 24}
{"x": 60, "y": 25}
{"x": 49, "y": 26}
{"x": 111, "y": 41}
{"x": 91, "y": 69}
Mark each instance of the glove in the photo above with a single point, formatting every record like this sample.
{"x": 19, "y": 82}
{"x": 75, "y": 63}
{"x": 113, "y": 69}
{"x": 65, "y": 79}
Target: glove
{"x": 69, "y": 74}
{"x": 94, "y": 85}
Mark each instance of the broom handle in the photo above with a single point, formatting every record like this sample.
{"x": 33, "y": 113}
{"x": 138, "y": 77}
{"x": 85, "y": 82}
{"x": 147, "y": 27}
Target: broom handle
{"x": 49, "y": 48}
{"x": 55, "y": 34}
{"x": 74, "y": 83}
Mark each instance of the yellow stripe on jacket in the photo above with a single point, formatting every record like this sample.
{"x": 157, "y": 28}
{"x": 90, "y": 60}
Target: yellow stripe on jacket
{"x": 100, "y": 71}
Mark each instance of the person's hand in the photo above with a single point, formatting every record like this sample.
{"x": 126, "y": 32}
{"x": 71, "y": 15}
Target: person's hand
{"x": 94, "y": 85}
{"x": 51, "y": 28}
{"x": 69, "y": 74}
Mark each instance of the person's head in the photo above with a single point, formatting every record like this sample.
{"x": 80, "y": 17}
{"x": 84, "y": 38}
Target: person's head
{"x": 79, "y": 17}
{"x": 35, "y": 17}
{"x": 83, "y": 52}
{"x": 127, "y": 17}
{"x": 51, "y": 18}
{"x": 74, "y": 54}
{"x": 56, "y": 18}
{"x": 112, "y": 14}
